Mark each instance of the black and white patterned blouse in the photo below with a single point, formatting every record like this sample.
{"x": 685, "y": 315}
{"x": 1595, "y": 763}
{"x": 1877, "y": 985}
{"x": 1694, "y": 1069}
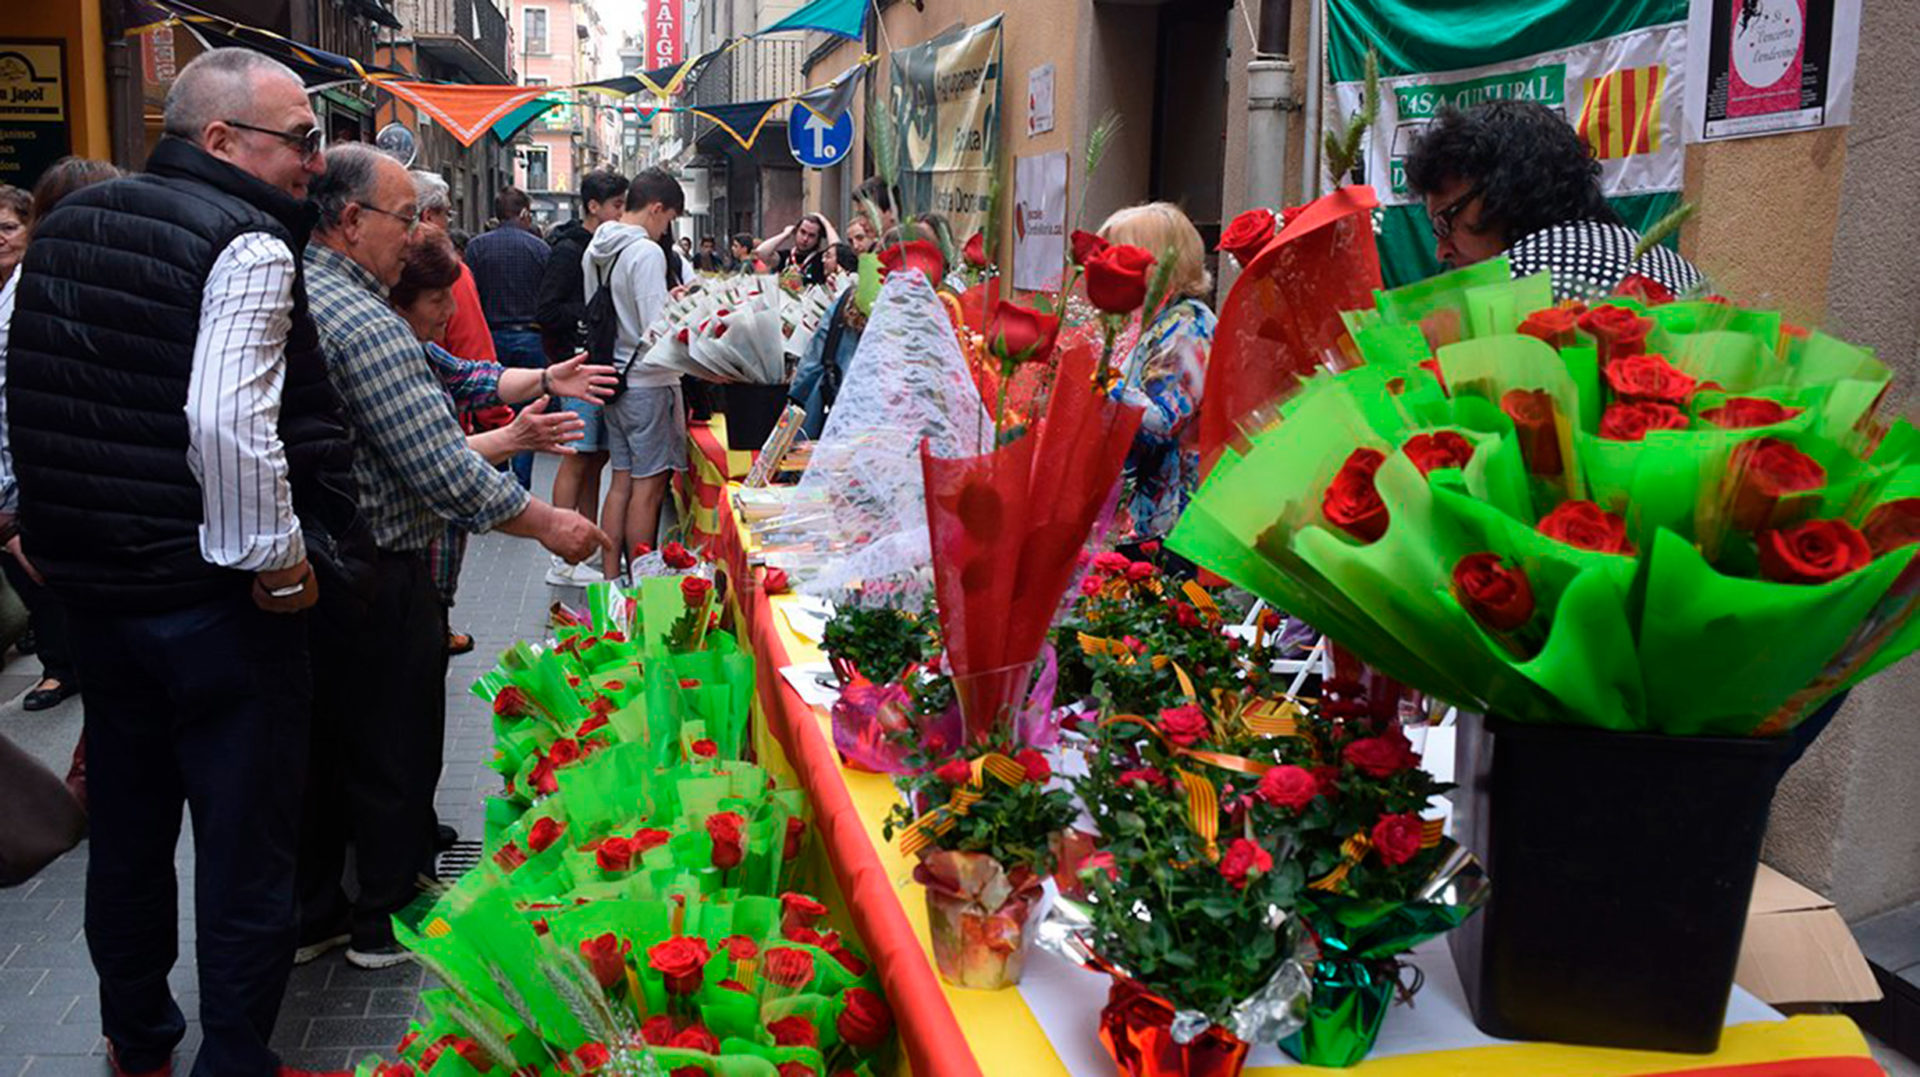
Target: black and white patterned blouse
{"x": 1589, "y": 259}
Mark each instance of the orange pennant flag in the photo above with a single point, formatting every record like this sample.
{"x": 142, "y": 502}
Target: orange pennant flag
{"x": 467, "y": 112}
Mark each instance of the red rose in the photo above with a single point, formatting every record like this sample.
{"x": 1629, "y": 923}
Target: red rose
{"x": 1351, "y": 503}
{"x": 1817, "y": 551}
{"x": 1893, "y": 525}
{"x": 642, "y": 549}
{"x": 954, "y": 772}
{"x": 793, "y": 1069}
{"x": 1382, "y": 756}
{"x": 1034, "y": 763}
{"x": 695, "y": 1038}
{"x": 1631, "y": 421}
{"x": 657, "y": 1030}
{"x": 1619, "y": 331}
{"x": 1498, "y": 596}
{"x": 509, "y": 857}
{"x": 1184, "y": 724}
{"x": 393, "y": 1069}
{"x": 796, "y": 831}
{"x": 600, "y": 707}
{"x": 921, "y": 254}
{"x": 1140, "y": 572}
{"x": 1744, "y": 412}
{"x": 775, "y": 581}
{"x": 511, "y": 702}
{"x": 647, "y": 838}
{"x": 1287, "y": 787}
{"x": 1117, "y": 278}
{"x": 1144, "y": 775}
{"x": 799, "y": 910}
{"x": 694, "y": 590}
{"x": 681, "y": 961}
{"x": 1397, "y": 838}
{"x": 1586, "y": 526}
{"x": 1085, "y": 246}
{"x": 1017, "y": 334}
{"x": 1247, "y": 234}
{"x": 789, "y": 967}
{"x": 1151, "y": 548}
{"x": 740, "y": 947}
{"x": 590, "y": 1057}
{"x": 614, "y": 854}
{"x": 676, "y": 556}
{"x": 606, "y": 955}
{"x": 1184, "y": 615}
{"x": 1243, "y": 860}
{"x": 1765, "y": 470}
{"x": 724, "y": 829}
{"x": 1101, "y": 861}
{"x": 1110, "y": 563}
{"x": 593, "y": 724}
{"x": 865, "y": 1022}
{"x": 705, "y": 748}
{"x": 564, "y": 751}
{"x": 545, "y": 831}
{"x": 1554, "y": 325}
{"x": 1649, "y": 377}
{"x": 794, "y": 1031}
{"x": 1537, "y": 427}
{"x": 847, "y": 958}
{"x": 976, "y": 251}
{"x": 542, "y": 776}
{"x": 1090, "y": 586}
{"x": 1442, "y": 448}
{"x": 1270, "y": 621}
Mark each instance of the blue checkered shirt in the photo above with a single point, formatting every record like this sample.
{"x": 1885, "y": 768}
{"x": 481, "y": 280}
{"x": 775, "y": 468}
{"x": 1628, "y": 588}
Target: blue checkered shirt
{"x": 410, "y": 458}
{"x": 507, "y": 265}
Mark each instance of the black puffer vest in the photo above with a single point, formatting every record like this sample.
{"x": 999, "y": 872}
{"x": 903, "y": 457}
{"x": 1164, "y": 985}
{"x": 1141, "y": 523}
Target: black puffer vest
{"x": 98, "y": 366}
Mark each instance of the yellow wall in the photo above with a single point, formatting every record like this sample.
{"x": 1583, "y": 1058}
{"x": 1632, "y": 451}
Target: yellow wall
{"x": 78, "y": 23}
{"x": 1767, "y": 208}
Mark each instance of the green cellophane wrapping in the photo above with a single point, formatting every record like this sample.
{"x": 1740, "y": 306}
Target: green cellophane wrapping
{"x": 1681, "y": 637}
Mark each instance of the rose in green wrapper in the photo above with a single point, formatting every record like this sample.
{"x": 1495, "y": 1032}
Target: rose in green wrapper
{"x": 788, "y": 966}
{"x": 1618, "y": 331}
{"x": 606, "y": 956}
{"x": 1893, "y": 525}
{"x": 1555, "y": 325}
{"x": 1351, "y": 503}
{"x": 1440, "y": 449}
{"x": 1497, "y": 594}
{"x": 1586, "y": 526}
{"x": 681, "y": 963}
{"x": 724, "y": 829}
{"x": 1817, "y": 551}
{"x": 1766, "y": 472}
{"x": 1649, "y": 378}
{"x": 1532, "y": 413}
{"x": 1744, "y": 412}
{"x": 1632, "y": 420}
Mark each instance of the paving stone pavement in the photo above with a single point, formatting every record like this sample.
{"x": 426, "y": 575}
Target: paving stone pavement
{"x": 333, "y": 1014}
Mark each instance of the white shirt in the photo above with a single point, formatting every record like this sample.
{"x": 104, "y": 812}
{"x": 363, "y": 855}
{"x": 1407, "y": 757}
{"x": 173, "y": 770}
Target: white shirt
{"x": 233, "y": 408}
{"x": 9, "y": 490}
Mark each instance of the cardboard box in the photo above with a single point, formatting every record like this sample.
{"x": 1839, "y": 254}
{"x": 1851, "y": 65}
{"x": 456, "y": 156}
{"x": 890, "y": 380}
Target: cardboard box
{"x": 1797, "y": 949}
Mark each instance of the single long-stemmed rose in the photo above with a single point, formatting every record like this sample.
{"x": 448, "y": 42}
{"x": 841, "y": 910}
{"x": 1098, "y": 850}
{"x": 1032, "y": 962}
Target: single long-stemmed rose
{"x": 1016, "y": 335}
{"x": 1117, "y": 285}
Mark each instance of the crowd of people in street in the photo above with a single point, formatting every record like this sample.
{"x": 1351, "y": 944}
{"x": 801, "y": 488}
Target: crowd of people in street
{"x": 257, "y": 397}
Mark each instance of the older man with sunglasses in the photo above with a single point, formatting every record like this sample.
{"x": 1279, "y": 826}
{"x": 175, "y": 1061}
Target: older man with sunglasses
{"x": 186, "y": 488}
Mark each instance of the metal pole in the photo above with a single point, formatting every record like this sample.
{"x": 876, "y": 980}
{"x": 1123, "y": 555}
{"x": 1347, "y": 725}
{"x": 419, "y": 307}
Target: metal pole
{"x": 1269, "y": 99}
{"x": 1316, "y": 56}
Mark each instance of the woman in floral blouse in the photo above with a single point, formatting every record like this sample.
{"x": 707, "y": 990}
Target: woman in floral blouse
{"x": 1163, "y": 370}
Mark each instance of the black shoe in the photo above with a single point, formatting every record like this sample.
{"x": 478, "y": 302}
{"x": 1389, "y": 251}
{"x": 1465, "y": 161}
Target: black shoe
{"x": 42, "y": 698}
{"x": 444, "y": 838}
{"x": 379, "y": 953}
{"x": 27, "y": 643}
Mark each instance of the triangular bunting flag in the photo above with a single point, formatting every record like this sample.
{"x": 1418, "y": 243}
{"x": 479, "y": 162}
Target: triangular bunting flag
{"x": 832, "y": 101}
{"x": 748, "y": 116}
{"x": 847, "y": 18}
{"x": 467, "y": 112}
{"x": 516, "y": 121}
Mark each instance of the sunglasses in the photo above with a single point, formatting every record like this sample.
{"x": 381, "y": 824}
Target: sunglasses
{"x": 1442, "y": 222}
{"x": 306, "y": 143}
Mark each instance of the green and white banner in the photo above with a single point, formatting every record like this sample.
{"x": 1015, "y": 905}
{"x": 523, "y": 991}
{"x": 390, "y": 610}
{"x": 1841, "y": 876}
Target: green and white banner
{"x": 1616, "y": 68}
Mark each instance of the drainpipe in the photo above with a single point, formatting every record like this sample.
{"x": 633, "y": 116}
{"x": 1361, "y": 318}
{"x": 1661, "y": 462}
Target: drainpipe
{"x": 1270, "y": 97}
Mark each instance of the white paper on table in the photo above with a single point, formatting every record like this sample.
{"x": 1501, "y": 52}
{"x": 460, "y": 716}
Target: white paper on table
{"x": 815, "y": 682}
{"x": 1066, "y": 1000}
{"x": 808, "y": 617}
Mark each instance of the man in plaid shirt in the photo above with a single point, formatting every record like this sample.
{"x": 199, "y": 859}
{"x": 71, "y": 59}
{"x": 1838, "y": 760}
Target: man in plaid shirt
{"x": 380, "y": 670}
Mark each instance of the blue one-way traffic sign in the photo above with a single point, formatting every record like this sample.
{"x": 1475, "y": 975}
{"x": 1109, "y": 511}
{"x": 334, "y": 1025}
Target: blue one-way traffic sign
{"x": 816, "y": 143}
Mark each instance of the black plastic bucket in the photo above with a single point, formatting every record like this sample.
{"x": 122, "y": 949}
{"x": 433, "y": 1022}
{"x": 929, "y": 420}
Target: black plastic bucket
{"x": 1622, "y": 867}
{"x": 752, "y": 412}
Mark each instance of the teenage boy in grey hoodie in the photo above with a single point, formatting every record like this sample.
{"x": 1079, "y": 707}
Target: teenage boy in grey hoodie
{"x": 647, "y": 424}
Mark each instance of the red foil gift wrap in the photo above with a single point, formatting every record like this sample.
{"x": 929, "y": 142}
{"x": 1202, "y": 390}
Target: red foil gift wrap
{"x": 1282, "y": 319}
{"x": 1137, "y": 1028}
{"x": 980, "y": 917}
{"x": 1007, "y": 528}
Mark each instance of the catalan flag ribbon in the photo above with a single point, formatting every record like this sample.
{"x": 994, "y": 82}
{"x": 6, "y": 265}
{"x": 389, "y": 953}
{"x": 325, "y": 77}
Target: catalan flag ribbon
{"x": 1620, "y": 111}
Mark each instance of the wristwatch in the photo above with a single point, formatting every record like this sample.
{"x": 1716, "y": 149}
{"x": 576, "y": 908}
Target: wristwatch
{"x": 291, "y": 589}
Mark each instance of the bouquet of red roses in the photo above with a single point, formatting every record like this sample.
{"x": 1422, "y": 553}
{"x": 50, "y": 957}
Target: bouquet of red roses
{"x": 1564, "y": 515}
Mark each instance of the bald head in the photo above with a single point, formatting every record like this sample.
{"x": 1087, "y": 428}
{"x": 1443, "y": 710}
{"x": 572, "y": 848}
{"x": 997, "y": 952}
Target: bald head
{"x": 250, "y": 111}
{"x": 368, "y": 208}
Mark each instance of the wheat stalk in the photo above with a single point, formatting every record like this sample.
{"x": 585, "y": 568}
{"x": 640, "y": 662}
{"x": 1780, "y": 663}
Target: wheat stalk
{"x": 1663, "y": 228}
{"x": 1343, "y": 148}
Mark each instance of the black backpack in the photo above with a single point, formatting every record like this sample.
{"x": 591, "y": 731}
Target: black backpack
{"x": 602, "y": 324}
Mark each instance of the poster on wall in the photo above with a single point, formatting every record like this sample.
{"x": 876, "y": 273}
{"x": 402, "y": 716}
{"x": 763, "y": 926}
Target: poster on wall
{"x": 1617, "y": 72}
{"x": 35, "y": 130}
{"x": 946, "y": 102}
{"x": 1039, "y": 221}
{"x": 1769, "y": 66}
{"x": 1040, "y": 100}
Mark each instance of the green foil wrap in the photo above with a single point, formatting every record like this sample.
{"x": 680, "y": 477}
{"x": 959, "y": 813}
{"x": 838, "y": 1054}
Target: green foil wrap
{"x": 1344, "y": 1016}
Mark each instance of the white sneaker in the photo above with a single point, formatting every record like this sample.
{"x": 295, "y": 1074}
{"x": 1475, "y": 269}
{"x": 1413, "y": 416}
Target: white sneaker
{"x": 583, "y": 573}
{"x": 560, "y": 575}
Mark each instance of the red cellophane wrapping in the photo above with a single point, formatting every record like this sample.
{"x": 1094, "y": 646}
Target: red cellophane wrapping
{"x": 1007, "y": 528}
{"x": 1282, "y": 319}
{"x": 1136, "y": 1027}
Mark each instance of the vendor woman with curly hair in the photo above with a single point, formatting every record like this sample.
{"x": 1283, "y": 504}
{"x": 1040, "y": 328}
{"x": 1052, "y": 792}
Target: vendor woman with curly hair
{"x": 1514, "y": 178}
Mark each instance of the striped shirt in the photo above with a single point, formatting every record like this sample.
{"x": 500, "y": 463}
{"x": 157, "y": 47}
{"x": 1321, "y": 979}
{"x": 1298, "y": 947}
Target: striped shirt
{"x": 233, "y": 408}
{"x": 410, "y": 459}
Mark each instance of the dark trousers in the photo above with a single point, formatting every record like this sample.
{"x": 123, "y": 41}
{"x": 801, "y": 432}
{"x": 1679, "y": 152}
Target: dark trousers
{"x": 48, "y": 616}
{"x": 521, "y": 348}
{"x": 378, "y": 733}
{"x": 206, "y": 706}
